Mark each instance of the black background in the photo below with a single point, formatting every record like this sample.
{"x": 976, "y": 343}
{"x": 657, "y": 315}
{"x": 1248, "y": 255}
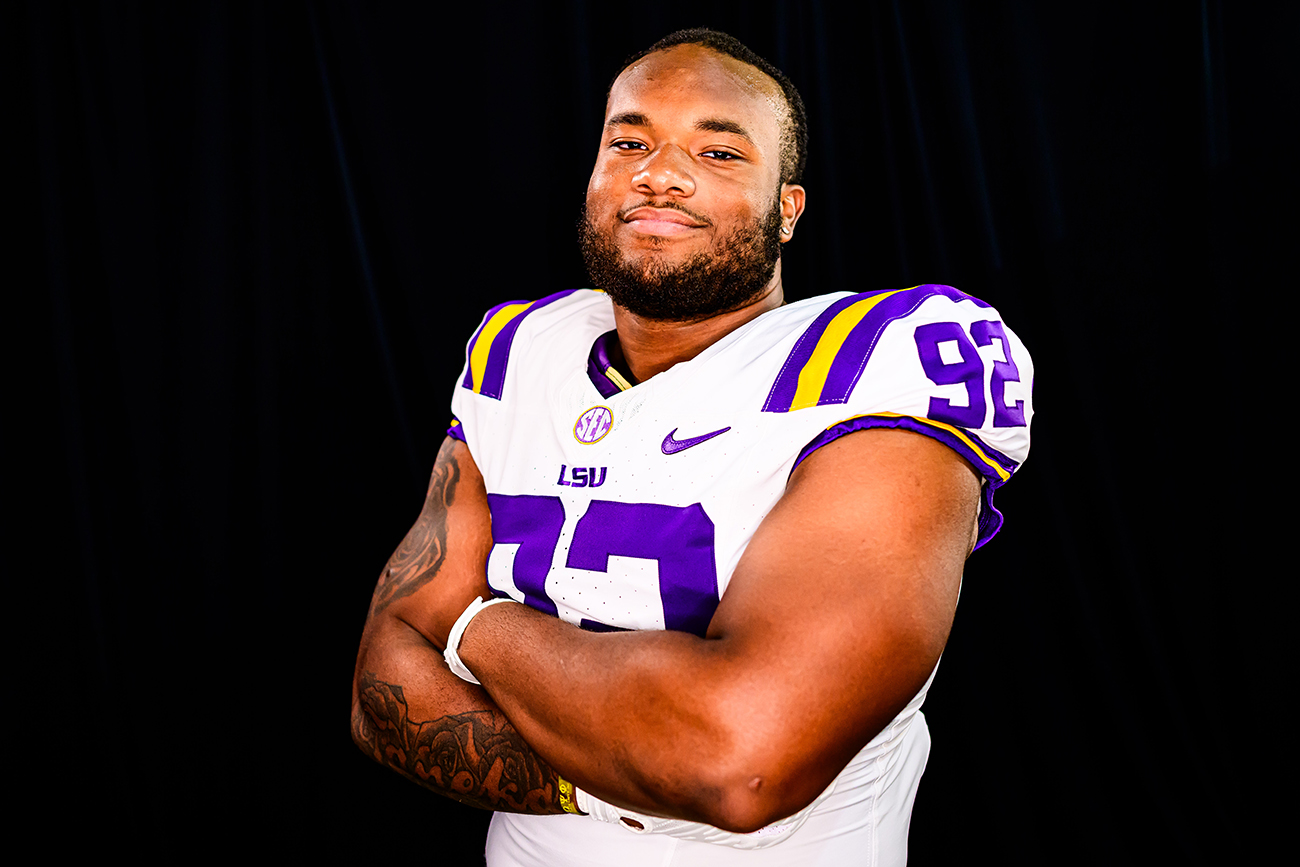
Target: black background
{"x": 257, "y": 237}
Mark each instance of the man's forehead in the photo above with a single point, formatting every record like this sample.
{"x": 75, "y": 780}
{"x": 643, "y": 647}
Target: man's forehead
{"x": 700, "y": 72}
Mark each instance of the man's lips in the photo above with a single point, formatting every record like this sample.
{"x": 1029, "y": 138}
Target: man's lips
{"x": 661, "y": 221}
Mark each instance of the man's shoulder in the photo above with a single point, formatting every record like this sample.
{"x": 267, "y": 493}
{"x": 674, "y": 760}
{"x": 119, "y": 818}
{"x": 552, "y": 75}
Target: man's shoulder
{"x": 827, "y": 342}
{"x": 557, "y": 322}
{"x": 888, "y": 304}
{"x": 570, "y": 304}
{"x": 852, "y": 311}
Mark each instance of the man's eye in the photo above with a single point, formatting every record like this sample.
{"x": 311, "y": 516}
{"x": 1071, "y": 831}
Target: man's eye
{"x": 723, "y": 156}
{"x": 628, "y": 145}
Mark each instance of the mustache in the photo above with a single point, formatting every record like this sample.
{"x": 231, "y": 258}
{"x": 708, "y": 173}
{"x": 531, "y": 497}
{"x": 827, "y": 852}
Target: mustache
{"x": 668, "y": 205}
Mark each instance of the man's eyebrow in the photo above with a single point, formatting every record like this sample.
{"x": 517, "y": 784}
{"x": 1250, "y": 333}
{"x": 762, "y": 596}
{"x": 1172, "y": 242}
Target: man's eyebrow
{"x": 628, "y": 118}
{"x": 709, "y": 124}
{"x": 717, "y": 125}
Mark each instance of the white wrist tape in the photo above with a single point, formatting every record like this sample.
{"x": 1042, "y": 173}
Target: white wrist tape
{"x": 457, "y": 630}
{"x": 768, "y": 835}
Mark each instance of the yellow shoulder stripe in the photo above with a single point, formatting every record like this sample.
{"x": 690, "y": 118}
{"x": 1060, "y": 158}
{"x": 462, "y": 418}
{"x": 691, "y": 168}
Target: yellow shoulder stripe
{"x": 813, "y": 376}
{"x": 478, "y": 359}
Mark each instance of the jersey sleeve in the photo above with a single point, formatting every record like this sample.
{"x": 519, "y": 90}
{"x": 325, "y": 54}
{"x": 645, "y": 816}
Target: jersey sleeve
{"x": 455, "y": 430}
{"x": 931, "y": 360}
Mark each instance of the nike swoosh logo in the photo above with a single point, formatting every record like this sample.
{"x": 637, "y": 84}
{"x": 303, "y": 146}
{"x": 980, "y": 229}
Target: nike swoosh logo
{"x": 673, "y": 446}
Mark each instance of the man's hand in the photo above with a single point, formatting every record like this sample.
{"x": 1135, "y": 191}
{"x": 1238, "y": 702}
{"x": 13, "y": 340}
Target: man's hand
{"x": 835, "y": 617}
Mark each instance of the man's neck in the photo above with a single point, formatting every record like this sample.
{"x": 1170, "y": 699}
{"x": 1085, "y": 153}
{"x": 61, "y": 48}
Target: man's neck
{"x": 651, "y": 346}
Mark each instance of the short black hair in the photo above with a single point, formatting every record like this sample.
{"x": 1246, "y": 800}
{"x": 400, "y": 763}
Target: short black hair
{"x": 794, "y": 135}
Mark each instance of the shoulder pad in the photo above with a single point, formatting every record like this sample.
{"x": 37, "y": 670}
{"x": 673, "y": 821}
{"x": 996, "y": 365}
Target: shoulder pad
{"x": 489, "y": 348}
{"x": 829, "y": 357}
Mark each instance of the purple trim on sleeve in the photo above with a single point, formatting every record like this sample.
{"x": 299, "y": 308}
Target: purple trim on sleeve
{"x": 598, "y": 362}
{"x": 1000, "y": 459}
{"x": 494, "y": 373}
{"x": 852, "y": 355}
{"x": 457, "y": 430}
{"x": 990, "y": 519}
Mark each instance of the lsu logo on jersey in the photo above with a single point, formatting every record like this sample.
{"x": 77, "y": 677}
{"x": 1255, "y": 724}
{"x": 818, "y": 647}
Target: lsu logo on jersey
{"x": 581, "y": 477}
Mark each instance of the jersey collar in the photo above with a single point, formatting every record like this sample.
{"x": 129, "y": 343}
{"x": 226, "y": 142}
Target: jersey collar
{"x": 601, "y": 371}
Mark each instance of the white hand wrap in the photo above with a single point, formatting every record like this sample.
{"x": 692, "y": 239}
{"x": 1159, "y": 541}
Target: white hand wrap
{"x": 768, "y": 835}
{"x": 457, "y": 630}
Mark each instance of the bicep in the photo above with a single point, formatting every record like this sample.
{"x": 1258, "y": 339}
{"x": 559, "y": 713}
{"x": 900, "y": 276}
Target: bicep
{"x": 440, "y": 564}
{"x": 844, "y": 598}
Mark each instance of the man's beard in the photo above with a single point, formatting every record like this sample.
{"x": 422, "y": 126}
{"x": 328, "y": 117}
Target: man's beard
{"x": 719, "y": 280}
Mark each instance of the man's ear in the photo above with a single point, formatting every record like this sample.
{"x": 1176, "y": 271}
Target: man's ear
{"x": 792, "y": 200}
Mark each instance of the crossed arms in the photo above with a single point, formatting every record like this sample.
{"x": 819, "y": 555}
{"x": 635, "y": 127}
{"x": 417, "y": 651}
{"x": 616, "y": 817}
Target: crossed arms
{"x": 834, "y": 618}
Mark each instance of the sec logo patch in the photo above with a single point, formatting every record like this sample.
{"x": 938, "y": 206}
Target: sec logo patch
{"x": 593, "y": 424}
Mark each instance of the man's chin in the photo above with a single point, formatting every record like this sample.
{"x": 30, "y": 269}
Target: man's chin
{"x": 661, "y": 279}
{"x": 671, "y": 249}
{"x": 649, "y": 263}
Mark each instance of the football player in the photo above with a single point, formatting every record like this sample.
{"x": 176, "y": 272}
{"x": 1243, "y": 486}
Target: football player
{"x": 722, "y": 536}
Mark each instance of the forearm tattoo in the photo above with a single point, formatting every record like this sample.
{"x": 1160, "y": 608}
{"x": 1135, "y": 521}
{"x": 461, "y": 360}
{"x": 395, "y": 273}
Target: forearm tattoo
{"x": 476, "y": 757}
{"x": 421, "y": 553}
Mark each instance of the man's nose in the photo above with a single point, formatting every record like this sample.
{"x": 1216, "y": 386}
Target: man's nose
{"x": 666, "y": 172}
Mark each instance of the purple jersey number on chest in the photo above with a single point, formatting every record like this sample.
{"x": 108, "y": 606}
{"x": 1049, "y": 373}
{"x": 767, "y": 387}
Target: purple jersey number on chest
{"x": 679, "y": 538}
{"x": 533, "y": 523}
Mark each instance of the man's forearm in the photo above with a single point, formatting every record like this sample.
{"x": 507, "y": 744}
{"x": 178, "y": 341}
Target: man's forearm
{"x": 625, "y": 730}
{"x": 475, "y": 756}
{"x": 409, "y": 712}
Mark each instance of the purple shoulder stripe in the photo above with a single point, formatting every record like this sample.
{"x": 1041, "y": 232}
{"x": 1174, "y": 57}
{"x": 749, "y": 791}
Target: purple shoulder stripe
{"x": 494, "y": 373}
{"x": 848, "y": 355}
{"x": 456, "y": 431}
{"x": 986, "y": 461}
{"x": 787, "y": 381}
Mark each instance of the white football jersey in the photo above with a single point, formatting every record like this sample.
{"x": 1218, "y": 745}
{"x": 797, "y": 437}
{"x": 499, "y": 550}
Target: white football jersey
{"x": 628, "y": 507}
